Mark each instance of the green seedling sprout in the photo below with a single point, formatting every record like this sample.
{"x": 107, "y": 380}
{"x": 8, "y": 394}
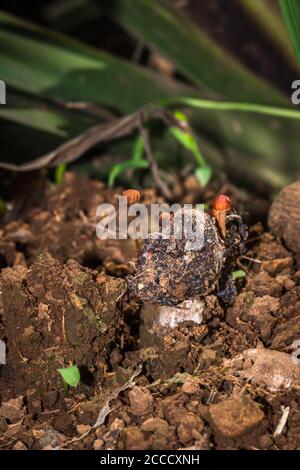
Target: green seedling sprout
{"x": 70, "y": 375}
{"x": 238, "y": 274}
{"x": 185, "y": 137}
{"x": 137, "y": 162}
{"x": 59, "y": 173}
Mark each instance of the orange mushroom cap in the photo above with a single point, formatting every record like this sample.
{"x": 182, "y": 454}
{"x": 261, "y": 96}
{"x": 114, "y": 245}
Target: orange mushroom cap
{"x": 221, "y": 203}
{"x": 132, "y": 195}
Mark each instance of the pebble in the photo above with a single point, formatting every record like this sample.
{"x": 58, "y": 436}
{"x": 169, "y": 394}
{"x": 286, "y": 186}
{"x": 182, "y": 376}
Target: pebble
{"x": 12, "y": 409}
{"x": 235, "y": 416}
{"x": 141, "y": 401}
{"x": 83, "y": 428}
{"x": 284, "y": 216}
{"x": 157, "y": 425}
{"x": 188, "y": 425}
{"x": 190, "y": 387}
{"x": 98, "y": 444}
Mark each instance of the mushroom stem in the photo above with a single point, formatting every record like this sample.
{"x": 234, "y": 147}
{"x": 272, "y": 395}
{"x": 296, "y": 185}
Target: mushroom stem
{"x": 221, "y": 205}
{"x": 133, "y": 196}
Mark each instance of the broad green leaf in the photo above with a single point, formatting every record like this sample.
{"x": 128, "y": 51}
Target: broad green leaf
{"x": 46, "y": 117}
{"x": 202, "y": 60}
{"x": 204, "y": 174}
{"x": 52, "y": 65}
{"x": 70, "y": 375}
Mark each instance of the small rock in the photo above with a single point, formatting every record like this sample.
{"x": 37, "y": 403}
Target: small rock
{"x": 271, "y": 251}
{"x": 284, "y": 216}
{"x": 83, "y": 428}
{"x": 235, "y": 416}
{"x": 63, "y": 423}
{"x": 271, "y": 368}
{"x": 134, "y": 439}
{"x": 186, "y": 428}
{"x": 190, "y": 387}
{"x": 157, "y": 425}
{"x": 263, "y": 284}
{"x": 19, "y": 445}
{"x": 116, "y": 427}
{"x": 100, "y": 431}
{"x": 141, "y": 401}
{"x": 98, "y": 444}
{"x": 38, "y": 433}
{"x": 278, "y": 265}
{"x": 12, "y": 409}
{"x": 34, "y": 406}
{"x": 169, "y": 317}
{"x": 261, "y": 314}
{"x": 174, "y": 409}
{"x": 51, "y": 438}
{"x": 13, "y": 429}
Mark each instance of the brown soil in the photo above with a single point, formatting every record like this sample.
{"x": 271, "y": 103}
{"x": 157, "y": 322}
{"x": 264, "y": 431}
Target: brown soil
{"x": 223, "y": 384}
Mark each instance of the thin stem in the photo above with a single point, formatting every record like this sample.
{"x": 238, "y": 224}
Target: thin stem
{"x": 232, "y": 106}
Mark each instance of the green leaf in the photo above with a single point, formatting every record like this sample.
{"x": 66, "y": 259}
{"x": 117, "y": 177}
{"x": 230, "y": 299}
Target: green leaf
{"x": 185, "y": 137}
{"x": 268, "y": 19}
{"x": 70, "y": 375}
{"x": 136, "y": 162}
{"x": 291, "y": 13}
{"x": 46, "y": 117}
{"x": 238, "y": 274}
{"x": 127, "y": 165}
{"x": 201, "y": 59}
{"x": 51, "y": 65}
{"x": 138, "y": 149}
{"x": 204, "y": 174}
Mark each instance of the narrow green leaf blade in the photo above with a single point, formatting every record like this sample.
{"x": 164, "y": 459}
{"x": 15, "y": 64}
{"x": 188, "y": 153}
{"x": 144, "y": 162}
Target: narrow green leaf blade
{"x": 196, "y": 56}
{"x": 204, "y": 175}
{"x": 291, "y": 13}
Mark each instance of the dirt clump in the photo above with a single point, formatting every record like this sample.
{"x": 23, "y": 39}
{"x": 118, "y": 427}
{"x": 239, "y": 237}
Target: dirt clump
{"x": 55, "y": 315}
{"x": 235, "y": 417}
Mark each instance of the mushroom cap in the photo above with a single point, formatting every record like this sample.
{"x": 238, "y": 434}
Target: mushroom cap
{"x": 170, "y": 270}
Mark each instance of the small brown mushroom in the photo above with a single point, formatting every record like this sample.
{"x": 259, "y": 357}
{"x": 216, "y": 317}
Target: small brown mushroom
{"x": 220, "y": 207}
{"x": 133, "y": 196}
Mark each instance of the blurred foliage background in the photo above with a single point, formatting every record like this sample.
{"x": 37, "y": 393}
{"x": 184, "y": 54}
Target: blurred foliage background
{"x": 71, "y": 64}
